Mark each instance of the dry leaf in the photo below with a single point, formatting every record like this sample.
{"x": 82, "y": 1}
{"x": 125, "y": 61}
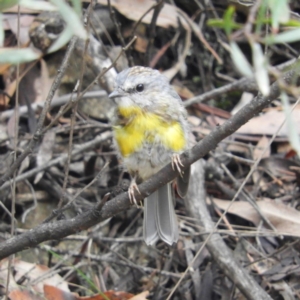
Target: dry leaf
{"x": 134, "y": 9}
{"x": 24, "y": 165}
{"x": 45, "y": 153}
{"x": 141, "y": 296}
{"x": 33, "y": 272}
{"x": 260, "y": 148}
{"x": 269, "y": 122}
{"x": 25, "y": 22}
{"x": 45, "y": 82}
{"x": 53, "y": 293}
{"x": 141, "y": 44}
{"x": 239, "y": 148}
{"x": 24, "y": 295}
{"x": 11, "y": 125}
{"x": 284, "y": 218}
{"x": 281, "y": 168}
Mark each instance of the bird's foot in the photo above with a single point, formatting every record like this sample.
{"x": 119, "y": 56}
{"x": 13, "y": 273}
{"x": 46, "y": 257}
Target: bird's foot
{"x": 177, "y": 164}
{"x": 131, "y": 191}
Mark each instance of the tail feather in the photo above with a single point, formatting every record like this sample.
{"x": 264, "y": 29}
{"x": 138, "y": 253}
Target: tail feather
{"x": 150, "y": 229}
{"x": 160, "y": 220}
{"x": 183, "y": 182}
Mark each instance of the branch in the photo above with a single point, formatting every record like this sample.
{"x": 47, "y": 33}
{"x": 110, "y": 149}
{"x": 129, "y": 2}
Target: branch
{"x": 221, "y": 254}
{"x": 243, "y": 84}
{"x": 99, "y": 139}
{"x": 61, "y": 229}
{"x": 38, "y": 132}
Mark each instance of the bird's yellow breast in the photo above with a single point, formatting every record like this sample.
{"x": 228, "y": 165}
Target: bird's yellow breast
{"x": 142, "y": 127}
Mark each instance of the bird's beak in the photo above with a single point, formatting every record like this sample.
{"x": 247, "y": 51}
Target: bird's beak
{"x": 115, "y": 94}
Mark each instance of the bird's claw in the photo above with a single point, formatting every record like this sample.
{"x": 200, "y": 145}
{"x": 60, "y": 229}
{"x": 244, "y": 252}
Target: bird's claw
{"x": 177, "y": 164}
{"x": 131, "y": 190}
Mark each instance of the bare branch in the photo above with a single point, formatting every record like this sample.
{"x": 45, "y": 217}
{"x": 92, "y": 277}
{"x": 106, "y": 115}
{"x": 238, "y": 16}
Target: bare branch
{"x": 38, "y": 131}
{"x": 63, "y": 228}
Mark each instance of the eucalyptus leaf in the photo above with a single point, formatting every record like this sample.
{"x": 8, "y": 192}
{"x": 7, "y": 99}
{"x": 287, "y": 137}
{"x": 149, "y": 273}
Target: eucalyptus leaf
{"x": 62, "y": 40}
{"x": 280, "y": 12}
{"x": 72, "y": 19}
{"x": 293, "y": 133}
{"x": 1, "y": 32}
{"x": 284, "y": 37}
{"x": 240, "y": 61}
{"x": 77, "y": 6}
{"x": 15, "y": 56}
{"x": 260, "y": 69}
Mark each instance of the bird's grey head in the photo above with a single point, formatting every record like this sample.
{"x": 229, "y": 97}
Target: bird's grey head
{"x": 141, "y": 86}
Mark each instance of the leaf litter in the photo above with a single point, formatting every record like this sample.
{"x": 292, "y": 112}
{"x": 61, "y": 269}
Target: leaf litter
{"x": 110, "y": 260}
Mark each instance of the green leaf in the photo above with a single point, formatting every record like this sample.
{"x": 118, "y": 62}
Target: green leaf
{"x": 228, "y": 19}
{"x": 292, "y": 23}
{"x": 72, "y": 19}
{"x": 280, "y": 12}
{"x": 15, "y": 56}
{"x": 261, "y": 18}
{"x": 240, "y": 61}
{"x": 1, "y": 32}
{"x": 291, "y": 125}
{"x": 284, "y": 37}
{"x": 227, "y": 23}
{"x": 62, "y": 40}
{"x": 219, "y": 23}
{"x": 260, "y": 69}
{"x": 77, "y": 6}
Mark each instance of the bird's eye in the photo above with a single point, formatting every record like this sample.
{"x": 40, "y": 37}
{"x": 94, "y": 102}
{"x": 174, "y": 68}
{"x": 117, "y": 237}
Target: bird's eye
{"x": 139, "y": 87}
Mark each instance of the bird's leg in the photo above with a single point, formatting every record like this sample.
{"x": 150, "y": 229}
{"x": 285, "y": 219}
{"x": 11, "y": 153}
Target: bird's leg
{"x": 176, "y": 163}
{"x": 133, "y": 186}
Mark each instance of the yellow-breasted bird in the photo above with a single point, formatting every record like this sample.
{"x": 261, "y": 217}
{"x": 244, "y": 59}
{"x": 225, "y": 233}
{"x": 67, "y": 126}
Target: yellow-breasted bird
{"x": 151, "y": 130}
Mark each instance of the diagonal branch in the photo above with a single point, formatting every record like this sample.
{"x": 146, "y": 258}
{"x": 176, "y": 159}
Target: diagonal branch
{"x": 61, "y": 229}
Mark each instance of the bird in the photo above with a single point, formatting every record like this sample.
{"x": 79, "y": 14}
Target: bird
{"x": 151, "y": 130}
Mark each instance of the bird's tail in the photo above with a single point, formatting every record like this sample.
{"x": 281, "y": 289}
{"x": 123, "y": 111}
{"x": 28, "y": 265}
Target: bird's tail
{"x": 183, "y": 182}
{"x": 160, "y": 221}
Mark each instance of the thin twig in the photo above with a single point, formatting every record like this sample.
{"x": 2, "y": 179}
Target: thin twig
{"x": 119, "y": 32}
{"x": 200, "y": 35}
{"x": 75, "y": 106}
{"x": 208, "y": 239}
{"x": 33, "y": 207}
{"x": 249, "y": 198}
{"x": 217, "y": 247}
{"x": 39, "y": 130}
{"x": 15, "y": 146}
{"x": 126, "y": 264}
{"x": 59, "y": 212}
{"x": 62, "y": 228}
{"x": 62, "y": 158}
{"x": 251, "y": 18}
{"x": 124, "y": 49}
{"x": 157, "y": 8}
{"x": 67, "y": 106}
{"x": 37, "y": 135}
{"x": 58, "y": 101}
{"x": 244, "y": 84}
{"x": 69, "y": 152}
